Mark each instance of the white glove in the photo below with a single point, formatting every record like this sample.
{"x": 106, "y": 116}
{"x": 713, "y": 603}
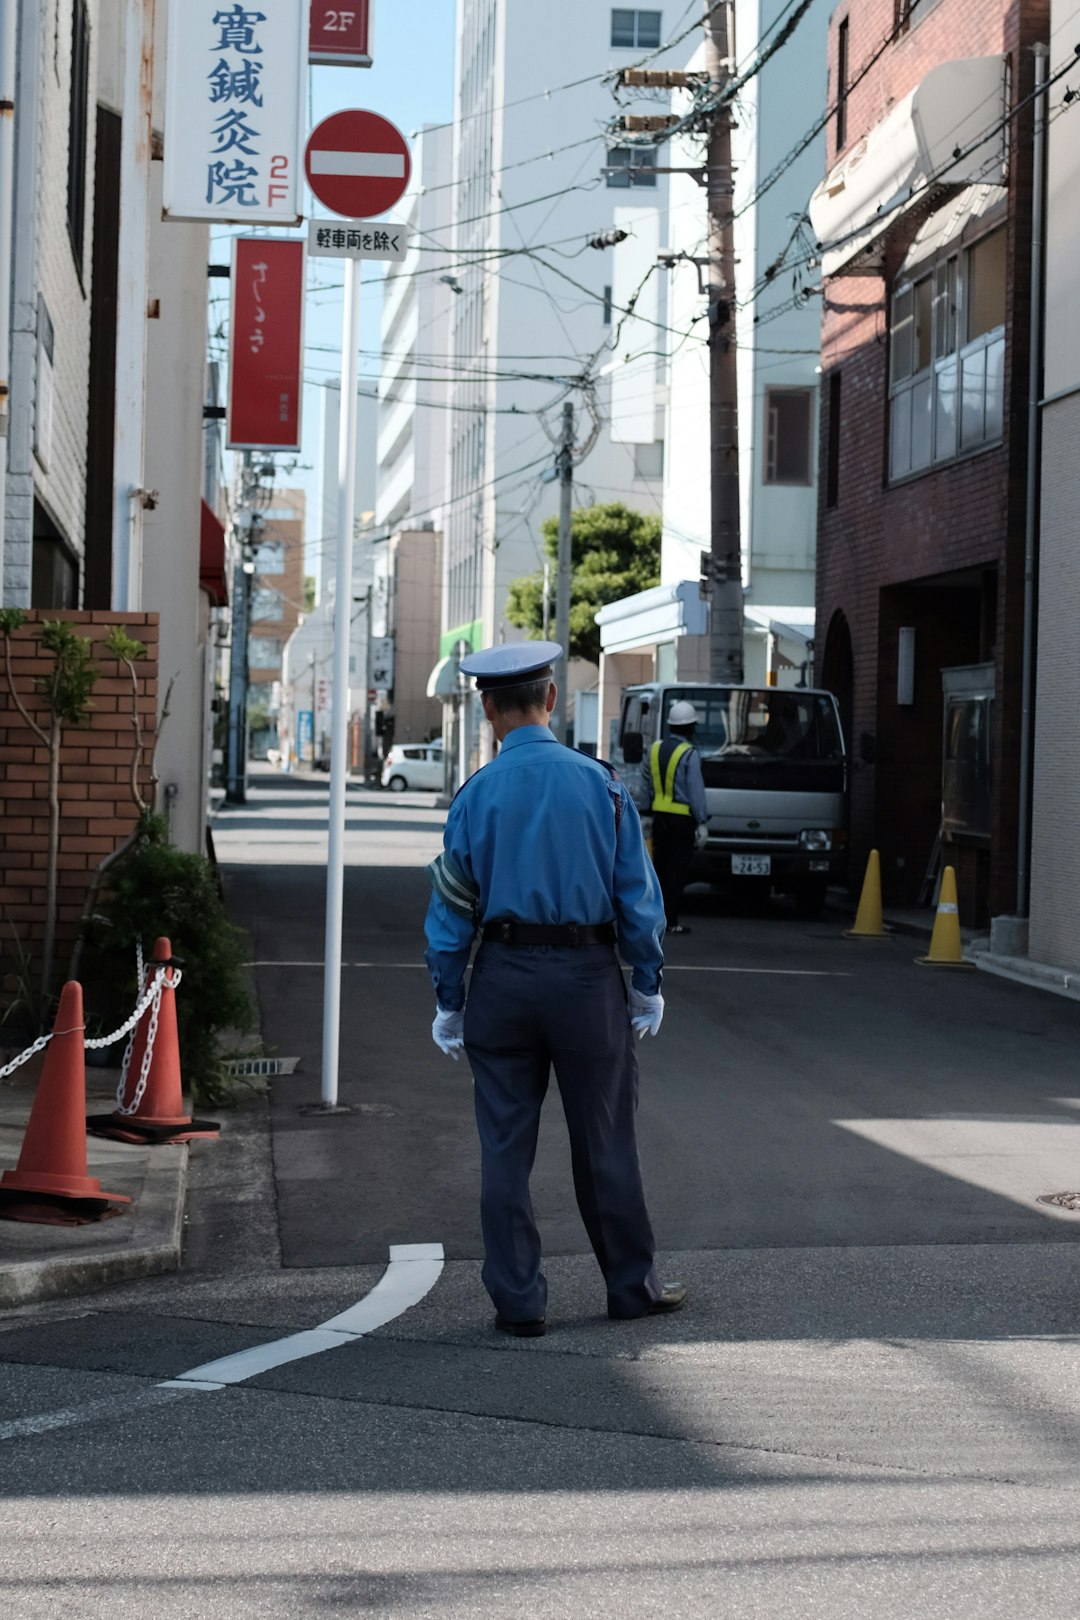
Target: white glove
{"x": 646, "y": 1013}
{"x": 701, "y": 835}
{"x": 448, "y": 1031}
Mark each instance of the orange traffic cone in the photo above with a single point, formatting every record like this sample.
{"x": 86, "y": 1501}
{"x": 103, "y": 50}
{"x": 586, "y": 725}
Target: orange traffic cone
{"x": 158, "y": 1114}
{"x": 51, "y": 1186}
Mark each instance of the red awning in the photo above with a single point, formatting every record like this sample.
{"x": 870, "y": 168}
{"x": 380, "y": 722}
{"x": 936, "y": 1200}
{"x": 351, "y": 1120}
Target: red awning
{"x": 213, "y": 576}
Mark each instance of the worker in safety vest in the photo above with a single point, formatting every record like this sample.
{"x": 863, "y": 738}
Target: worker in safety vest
{"x": 680, "y": 814}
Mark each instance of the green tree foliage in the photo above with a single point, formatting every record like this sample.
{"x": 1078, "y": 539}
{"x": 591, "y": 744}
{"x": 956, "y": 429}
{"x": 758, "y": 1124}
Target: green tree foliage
{"x": 615, "y": 552}
{"x": 158, "y": 889}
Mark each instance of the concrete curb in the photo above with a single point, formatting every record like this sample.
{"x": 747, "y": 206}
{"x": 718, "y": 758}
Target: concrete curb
{"x": 42, "y": 1262}
{"x": 1036, "y": 975}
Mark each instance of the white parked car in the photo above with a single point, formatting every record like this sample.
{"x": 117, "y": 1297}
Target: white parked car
{"x": 414, "y": 765}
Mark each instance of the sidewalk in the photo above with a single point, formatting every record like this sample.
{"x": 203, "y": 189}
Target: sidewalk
{"x": 918, "y": 923}
{"x": 43, "y": 1262}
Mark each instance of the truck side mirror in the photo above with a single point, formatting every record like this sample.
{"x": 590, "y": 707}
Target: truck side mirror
{"x": 633, "y": 747}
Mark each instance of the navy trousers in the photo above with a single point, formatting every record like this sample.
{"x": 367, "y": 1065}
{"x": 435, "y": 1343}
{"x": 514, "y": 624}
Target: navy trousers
{"x": 531, "y": 1009}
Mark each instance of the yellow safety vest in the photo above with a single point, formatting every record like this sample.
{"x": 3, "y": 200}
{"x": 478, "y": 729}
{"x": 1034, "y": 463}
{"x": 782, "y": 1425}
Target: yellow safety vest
{"x": 664, "y": 801}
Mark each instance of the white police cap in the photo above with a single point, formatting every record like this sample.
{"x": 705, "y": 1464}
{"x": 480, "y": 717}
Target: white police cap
{"x": 511, "y": 665}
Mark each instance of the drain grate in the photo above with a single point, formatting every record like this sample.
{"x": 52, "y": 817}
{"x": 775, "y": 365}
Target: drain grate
{"x": 261, "y": 1068}
{"x": 1066, "y": 1200}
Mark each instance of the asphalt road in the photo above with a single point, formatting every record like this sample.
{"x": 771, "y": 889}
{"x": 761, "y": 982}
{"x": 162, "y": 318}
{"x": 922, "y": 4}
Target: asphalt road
{"x": 871, "y": 1404}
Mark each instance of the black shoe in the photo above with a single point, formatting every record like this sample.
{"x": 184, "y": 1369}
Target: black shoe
{"x": 677, "y": 929}
{"x": 522, "y": 1330}
{"x": 673, "y": 1298}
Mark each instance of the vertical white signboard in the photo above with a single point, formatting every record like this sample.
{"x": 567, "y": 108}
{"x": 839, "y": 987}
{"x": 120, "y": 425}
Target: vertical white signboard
{"x": 234, "y": 110}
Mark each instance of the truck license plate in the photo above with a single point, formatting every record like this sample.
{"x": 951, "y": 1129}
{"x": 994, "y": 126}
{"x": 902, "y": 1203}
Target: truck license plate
{"x": 751, "y": 865}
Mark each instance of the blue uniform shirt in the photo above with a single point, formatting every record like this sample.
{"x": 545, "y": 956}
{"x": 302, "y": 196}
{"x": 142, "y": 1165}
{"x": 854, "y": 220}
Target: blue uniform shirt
{"x": 534, "y": 834}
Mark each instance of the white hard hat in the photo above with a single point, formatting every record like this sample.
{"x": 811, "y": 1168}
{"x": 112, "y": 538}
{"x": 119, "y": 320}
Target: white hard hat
{"x": 683, "y": 714}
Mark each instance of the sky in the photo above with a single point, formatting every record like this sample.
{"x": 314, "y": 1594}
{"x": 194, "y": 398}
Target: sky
{"x": 412, "y": 84}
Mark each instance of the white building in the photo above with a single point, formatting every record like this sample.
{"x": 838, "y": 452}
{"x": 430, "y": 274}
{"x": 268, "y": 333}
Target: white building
{"x": 778, "y": 385}
{"x": 104, "y": 362}
{"x": 416, "y": 344}
{"x": 535, "y": 307}
{"x": 1055, "y": 855}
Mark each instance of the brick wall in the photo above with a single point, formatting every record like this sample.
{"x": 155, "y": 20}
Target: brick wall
{"x": 967, "y": 515}
{"x": 96, "y": 810}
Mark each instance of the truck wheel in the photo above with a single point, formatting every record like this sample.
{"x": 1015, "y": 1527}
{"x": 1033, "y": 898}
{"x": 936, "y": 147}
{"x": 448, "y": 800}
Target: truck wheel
{"x": 810, "y": 899}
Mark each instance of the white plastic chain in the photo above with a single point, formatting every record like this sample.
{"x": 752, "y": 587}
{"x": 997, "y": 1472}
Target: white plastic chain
{"x": 24, "y": 1057}
{"x": 150, "y": 997}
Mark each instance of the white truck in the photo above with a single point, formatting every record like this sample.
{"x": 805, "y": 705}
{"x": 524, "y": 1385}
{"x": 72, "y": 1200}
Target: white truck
{"x": 775, "y": 772}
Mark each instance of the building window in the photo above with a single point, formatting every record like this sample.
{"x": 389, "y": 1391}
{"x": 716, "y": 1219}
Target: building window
{"x": 607, "y": 306}
{"x": 789, "y": 418}
{"x": 947, "y": 359}
{"x": 910, "y": 12}
{"x": 267, "y": 605}
{"x": 264, "y": 652}
{"x": 649, "y": 460}
{"x": 841, "y": 84}
{"x": 642, "y": 159}
{"x": 270, "y": 557}
{"x": 635, "y": 30}
{"x": 77, "y": 115}
{"x": 832, "y": 467}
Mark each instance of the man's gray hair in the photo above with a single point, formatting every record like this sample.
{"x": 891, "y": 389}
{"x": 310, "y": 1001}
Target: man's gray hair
{"x": 519, "y": 699}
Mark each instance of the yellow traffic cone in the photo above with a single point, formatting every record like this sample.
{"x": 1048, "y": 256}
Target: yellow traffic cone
{"x": 946, "y": 949}
{"x": 869, "y": 921}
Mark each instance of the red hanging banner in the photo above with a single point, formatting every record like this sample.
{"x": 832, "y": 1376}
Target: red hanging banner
{"x": 340, "y": 35}
{"x": 266, "y": 343}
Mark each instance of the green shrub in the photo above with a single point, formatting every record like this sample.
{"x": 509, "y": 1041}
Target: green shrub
{"x": 156, "y": 889}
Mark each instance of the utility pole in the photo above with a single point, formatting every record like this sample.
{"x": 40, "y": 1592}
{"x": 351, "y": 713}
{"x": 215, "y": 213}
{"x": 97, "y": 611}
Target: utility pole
{"x": 722, "y": 564}
{"x": 236, "y": 757}
{"x": 565, "y": 464}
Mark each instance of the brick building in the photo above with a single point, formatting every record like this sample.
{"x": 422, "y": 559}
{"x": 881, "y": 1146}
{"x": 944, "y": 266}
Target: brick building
{"x": 97, "y": 809}
{"x": 925, "y": 224}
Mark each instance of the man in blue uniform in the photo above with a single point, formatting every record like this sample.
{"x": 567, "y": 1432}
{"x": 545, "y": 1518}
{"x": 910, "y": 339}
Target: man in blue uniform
{"x": 680, "y": 814}
{"x": 543, "y": 856}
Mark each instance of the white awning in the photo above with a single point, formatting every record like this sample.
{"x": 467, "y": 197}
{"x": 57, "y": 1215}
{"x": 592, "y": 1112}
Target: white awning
{"x": 950, "y": 131}
{"x": 443, "y": 682}
{"x": 785, "y": 623}
{"x": 661, "y": 614}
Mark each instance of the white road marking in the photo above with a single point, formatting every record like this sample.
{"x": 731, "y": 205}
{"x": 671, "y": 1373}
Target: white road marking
{"x": 321, "y": 965}
{"x": 413, "y": 1271}
{"x": 774, "y": 973}
{"x": 373, "y": 165}
{"x": 112, "y": 1406}
{"x": 669, "y": 967}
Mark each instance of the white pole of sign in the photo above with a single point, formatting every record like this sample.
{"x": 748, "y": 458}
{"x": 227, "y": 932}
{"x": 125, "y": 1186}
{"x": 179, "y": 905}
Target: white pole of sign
{"x": 339, "y": 721}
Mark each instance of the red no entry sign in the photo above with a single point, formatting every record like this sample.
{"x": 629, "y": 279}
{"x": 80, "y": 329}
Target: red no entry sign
{"x": 357, "y": 164}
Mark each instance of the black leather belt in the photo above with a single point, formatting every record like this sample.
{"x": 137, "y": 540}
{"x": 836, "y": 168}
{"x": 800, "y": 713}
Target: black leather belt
{"x": 509, "y": 932}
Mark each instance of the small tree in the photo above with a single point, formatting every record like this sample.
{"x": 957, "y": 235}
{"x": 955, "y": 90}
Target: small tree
{"x": 128, "y": 653}
{"x": 615, "y": 552}
{"x": 66, "y": 691}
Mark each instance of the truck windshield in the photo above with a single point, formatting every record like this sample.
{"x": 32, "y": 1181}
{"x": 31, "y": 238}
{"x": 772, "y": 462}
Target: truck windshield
{"x": 761, "y": 725}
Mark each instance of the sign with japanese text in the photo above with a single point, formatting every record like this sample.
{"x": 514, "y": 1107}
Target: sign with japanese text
{"x": 340, "y": 35}
{"x": 266, "y": 343}
{"x": 234, "y": 111}
{"x": 331, "y": 239}
{"x": 382, "y": 663}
